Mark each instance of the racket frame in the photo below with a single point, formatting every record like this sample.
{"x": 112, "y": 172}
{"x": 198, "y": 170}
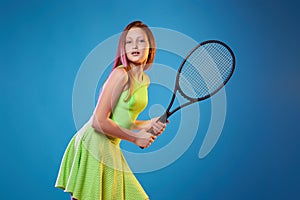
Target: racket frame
{"x": 168, "y": 113}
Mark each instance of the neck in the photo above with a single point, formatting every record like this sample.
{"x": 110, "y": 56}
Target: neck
{"x": 137, "y": 69}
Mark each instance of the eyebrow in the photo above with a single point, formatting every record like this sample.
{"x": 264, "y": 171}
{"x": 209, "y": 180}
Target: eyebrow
{"x": 141, "y": 36}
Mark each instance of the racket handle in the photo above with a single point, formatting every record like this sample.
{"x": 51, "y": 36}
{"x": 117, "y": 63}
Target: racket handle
{"x": 149, "y": 131}
{"x": 162, "y": 119}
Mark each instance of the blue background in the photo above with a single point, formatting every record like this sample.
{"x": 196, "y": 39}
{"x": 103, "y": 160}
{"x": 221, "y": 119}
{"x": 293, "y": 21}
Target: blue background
{"x": 43, "y": 44}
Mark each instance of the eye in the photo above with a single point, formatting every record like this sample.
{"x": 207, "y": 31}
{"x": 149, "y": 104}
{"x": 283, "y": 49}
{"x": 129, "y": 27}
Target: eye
{"x": 128, "y": 42}
{"x": 142, "y": 40}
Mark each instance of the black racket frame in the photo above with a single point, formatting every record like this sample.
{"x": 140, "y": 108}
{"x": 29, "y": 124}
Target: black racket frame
{"x": 167, "y": 113}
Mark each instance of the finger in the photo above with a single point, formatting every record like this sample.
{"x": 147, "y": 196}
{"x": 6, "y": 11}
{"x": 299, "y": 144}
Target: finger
{"x": 156, "y": 130}
{"x": 158, "y": 133}
{"x": 155, "y": 120}
{"x": 160, "y": 124}
{"x": 153, "y": 137}
{"x": 163, "y": 127}
{"x": 157, "y": 126}
{"x": 159, "y": 130}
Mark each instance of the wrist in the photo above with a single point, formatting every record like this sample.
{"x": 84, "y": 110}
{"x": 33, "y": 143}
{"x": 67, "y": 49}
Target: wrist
{"x": 148, "y": 124}
{"x": 134, "y": 139}
{"x": 132, "y": 136}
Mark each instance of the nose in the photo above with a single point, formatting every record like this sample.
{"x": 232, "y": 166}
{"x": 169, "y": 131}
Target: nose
{"x": 134, "y": 45}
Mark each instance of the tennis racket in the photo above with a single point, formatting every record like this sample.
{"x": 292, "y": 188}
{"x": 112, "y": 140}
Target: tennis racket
{"x": 204, "y": 71}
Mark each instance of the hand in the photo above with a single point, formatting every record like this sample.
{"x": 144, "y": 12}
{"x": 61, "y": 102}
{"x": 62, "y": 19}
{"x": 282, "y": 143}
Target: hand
{"x": 157, "y": 126}
{"x": 144, "y": 139}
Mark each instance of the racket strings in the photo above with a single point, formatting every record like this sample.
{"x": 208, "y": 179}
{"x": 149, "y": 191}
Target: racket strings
{"x": 205, "y": 70}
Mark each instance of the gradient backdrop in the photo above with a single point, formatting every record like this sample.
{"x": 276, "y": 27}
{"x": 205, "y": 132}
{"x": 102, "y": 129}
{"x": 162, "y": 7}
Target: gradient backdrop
{"x": 43, "y": 44}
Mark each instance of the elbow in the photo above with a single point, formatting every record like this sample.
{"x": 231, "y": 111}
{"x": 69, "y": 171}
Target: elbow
{"x": 99, "y": 124}
{"x": 94, "y": 123}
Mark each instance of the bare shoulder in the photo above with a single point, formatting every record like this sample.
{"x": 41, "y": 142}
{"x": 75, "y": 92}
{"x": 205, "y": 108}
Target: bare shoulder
{"x": 119, "y": 74}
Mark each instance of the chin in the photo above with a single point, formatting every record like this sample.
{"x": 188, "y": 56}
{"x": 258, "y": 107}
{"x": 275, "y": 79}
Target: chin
{"x": 136, "y": 60}
{"x": 136, "y": 63}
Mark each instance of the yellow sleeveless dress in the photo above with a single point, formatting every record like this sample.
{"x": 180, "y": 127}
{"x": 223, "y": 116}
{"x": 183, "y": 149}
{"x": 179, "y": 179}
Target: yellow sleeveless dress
{"x": 93, "y": 166}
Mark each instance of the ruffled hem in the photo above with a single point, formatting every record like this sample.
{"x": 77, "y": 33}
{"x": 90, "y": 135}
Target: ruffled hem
{"x": 90, "y": 175}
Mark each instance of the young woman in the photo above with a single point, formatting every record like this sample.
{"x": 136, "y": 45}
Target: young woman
{"x": 93, "y": 166}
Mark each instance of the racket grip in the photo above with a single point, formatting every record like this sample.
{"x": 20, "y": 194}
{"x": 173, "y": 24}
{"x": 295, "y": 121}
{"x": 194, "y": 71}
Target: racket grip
{"x": 149, "y": 131}
{"x": 162, "y": 119}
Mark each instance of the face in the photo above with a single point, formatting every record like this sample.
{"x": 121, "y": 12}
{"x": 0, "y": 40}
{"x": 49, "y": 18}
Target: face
{"x": 137, "y": 46}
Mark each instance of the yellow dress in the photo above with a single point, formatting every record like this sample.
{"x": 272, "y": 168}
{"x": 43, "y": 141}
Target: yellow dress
{"x": 93, "y": 166}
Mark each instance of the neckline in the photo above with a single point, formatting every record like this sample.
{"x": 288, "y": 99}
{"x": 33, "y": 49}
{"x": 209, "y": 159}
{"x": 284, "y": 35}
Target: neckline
{"x": 143, "y": 77}
{"x": 140, "y": 82}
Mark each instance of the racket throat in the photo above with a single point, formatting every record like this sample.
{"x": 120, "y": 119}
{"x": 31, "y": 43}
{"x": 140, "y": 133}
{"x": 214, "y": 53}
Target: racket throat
{"x": 164, "y": 117}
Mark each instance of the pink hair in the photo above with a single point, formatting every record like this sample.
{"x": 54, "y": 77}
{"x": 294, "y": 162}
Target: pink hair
{"x": 121, "y": 58}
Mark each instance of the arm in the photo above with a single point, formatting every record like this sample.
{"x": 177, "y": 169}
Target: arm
{"x": 110, "y": 94}
{"x": 158, "y": 127}
{"x": 141, "y": 124}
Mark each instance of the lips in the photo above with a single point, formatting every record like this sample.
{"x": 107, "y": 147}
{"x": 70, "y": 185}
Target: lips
{"x": 135, "y": 53}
